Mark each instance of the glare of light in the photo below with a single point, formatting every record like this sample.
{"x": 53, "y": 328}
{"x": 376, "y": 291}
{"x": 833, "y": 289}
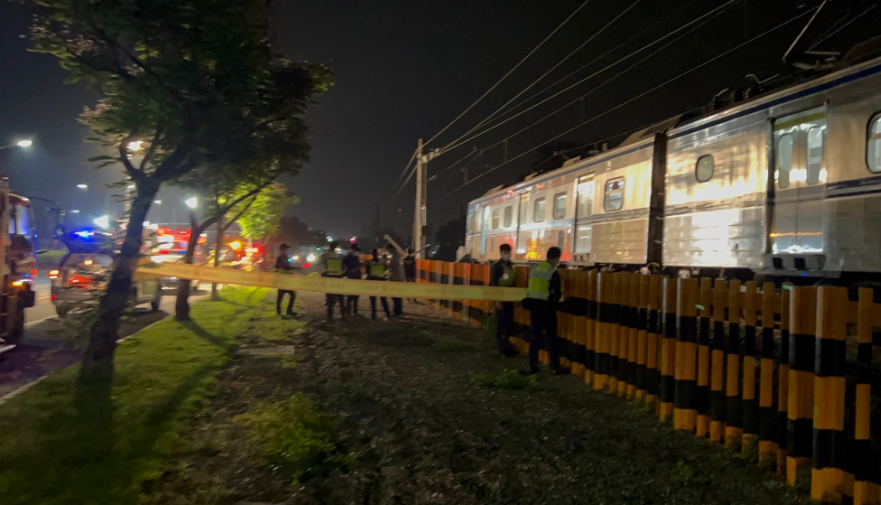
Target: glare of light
{"x": 84, "y": 234}
{"x": 157, "y": 202}
{"x": 146, "y": 224}
{"x": 88, "y": 262}
{"x": 75, "y": 211}
{"x": 83, "y": 186}
{"x": 329, "y": 238}
{"x": 18, "y": 284}
{"x": 103, "y": 221}
{"x": 296, "y": 258}
{"x": 135, "y": 145}
{"x": 192, "y": 202}
{"x": 25, "y": 143}
{"x": 310, "y": 258}
{"x": 353, "y": 239}
{"x": 235, "y": 245}
{"x": 130, "y": 186}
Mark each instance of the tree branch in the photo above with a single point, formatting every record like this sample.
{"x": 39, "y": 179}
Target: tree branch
{"x": 151, "y": 150}
{"x": 241, "y": 213}
{"x": 130, "y": 169}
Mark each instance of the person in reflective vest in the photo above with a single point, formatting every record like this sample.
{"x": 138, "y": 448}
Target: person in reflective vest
{"x": 396, "y": 274}
{"x": 352, "y": 270}
{"x": 332, "y": 265}
{"x": 542, "y": 296}
{"x": 377, "y": 270}
{"x": 283, "y": 266}
{"x": 502, "y": 274}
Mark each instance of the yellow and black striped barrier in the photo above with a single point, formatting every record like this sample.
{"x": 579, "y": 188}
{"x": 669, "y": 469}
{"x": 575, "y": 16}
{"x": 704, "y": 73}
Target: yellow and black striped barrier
{"x": 668, "y": 350}
{"x": 801, "y": 381}
{"x": 685, "y": 376}
{"x": 767, "y": 414}
{"x": 702, "y": 392}
{"x": 748, "y": 395}
{"x": 717, "y": 362}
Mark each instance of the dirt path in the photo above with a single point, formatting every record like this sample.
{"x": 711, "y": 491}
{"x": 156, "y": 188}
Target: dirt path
{"x": 425, "y": 432}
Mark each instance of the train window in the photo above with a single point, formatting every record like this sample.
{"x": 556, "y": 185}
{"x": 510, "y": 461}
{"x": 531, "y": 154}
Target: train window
{"x": 538, "y": 212}
{"x": 703, "y": 170}
{"x": 815, "y": 155}
{"x": 509, "y": 216}
{"x": 495, "y": 222}
{"x": 873, "y": 144}
{"x": 475, "y": 221}
{"x": 784, "y": 161}
{"x": 560, "y": 205}
{"x": 585, "y": 196}
{"x": 614, "y": 197}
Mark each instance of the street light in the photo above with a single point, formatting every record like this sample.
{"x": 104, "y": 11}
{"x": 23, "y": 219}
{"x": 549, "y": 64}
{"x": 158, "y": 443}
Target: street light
{"x": 134, "y": 145}
{"x": 83, "y": 186}
{"x": 25, "y": 143}
{"x": 75, "y": 211}
{"x": 192, "y": 202}
{"x": 157, "y": 202}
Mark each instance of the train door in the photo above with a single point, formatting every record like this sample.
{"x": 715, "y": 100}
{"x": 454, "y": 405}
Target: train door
{"x": 799, "y": 178}
{"x": 522, "y": 208}
{"x": 583, "y": 211}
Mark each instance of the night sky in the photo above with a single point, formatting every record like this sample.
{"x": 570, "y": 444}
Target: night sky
{"x": 403, "y": 70}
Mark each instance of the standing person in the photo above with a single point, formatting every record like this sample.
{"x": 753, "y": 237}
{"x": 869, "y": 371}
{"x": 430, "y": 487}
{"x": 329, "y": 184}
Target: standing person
{"x": 377, "y": 270}
{"x": 352, "y": 270}
{"x": 332, "y": 265}
{"x": 542, "y": 296}
{"x": 396, "y": 274}
{"x": 502, "y": 274}
{"x": 283, "y": 266}
{"x": 410, "y": 268}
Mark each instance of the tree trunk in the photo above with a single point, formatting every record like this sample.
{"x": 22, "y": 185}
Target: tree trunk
{"x": 98, "y": 357}
{"x": 218, "y": 246}
{"x": 182, "y": 304}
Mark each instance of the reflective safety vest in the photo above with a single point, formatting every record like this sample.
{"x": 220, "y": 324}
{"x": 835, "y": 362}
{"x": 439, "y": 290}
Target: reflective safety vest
{"x": 378, "y": 269}
{"x": 509, "y": 276}
{"x": 333, "y": 264}
{"x": 540, "y": 281}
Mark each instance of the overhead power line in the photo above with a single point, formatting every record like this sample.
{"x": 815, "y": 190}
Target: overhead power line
{"x": 542, "y": 76}
{"x": 494, "y": 86}
{"x": 607, "y": 81}
{"x": 637, "y": 97}
{"x": 450, "y": 147}
{"x": 412, "y": 157}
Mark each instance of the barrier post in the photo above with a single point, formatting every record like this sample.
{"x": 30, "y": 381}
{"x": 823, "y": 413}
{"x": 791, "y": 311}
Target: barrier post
{"x": 561, "y": 341}
{"x": 734, "y": 418}
{"x": 642, "y": 337}
{"x": 633, "y": 335}
{"x": 668, "y": 350}
{"x": 684, "y": 413}
{"x": 590, "y": 332}
{"x": 783, "y": 380}
{"x": 827, "y": 476}
{"x": 605, "y": 317}
{"x": 653, "y": 341}
{"x": 748, "y": 395}
{"x": 616, "y": 385}
{"x": 865, "y": 491}
{"x": 702, "y": 394}
{"x": 767, "y": 414}
{"x": 579, "y": 281}
{"x": 614, "y": 331}
{"x": 717, "y": 362}
{"x": 803, "y": 308}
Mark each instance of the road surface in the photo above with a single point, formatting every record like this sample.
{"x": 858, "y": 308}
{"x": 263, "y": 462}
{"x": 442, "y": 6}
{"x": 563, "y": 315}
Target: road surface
{"x": 45, "y": 347}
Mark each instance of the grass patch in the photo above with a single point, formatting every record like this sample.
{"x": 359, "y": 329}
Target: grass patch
{"x": 65, "y": 445}
{"x": 506, "y": 379}
{"x": 297, "y": 437}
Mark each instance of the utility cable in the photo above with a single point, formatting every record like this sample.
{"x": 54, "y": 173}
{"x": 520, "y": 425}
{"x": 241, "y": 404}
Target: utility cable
{"x": 637, "y": 97}
{"x": 670, "y": 34}
{"x": 494, "y": 86}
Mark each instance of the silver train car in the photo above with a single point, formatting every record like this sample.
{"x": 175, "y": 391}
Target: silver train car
{"x": 787, "y": 183}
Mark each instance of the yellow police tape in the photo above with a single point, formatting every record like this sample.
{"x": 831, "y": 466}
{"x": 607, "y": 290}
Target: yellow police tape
{"x": 332, "y": 285}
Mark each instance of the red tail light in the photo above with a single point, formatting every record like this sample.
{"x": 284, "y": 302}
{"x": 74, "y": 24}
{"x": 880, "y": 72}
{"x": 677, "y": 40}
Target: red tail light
{"x": 53, "y": 274}
{"x": 33, "y": 273}
{"x": 306, "y": 265}
{"x": 53, "y": 298}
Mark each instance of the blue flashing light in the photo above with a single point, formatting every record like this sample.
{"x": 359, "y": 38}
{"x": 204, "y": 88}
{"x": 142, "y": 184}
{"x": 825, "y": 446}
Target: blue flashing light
{"x": 84, "y": 234}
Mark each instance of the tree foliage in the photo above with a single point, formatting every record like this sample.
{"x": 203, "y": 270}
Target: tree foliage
{"x": 261, "y": 216}
{"x": 198, "y": 84}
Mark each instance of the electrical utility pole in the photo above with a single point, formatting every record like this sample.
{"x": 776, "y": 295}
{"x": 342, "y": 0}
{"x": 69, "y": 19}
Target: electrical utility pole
{"x": 420, "y": 219}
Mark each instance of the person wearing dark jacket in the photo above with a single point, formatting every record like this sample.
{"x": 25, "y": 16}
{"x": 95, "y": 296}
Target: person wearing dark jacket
{"x": 410, "y": 267}
{"x": 502, "y": 274}
{"x": 377, "y": 270}
{"x": 352, "y": 270}
{"x": 544, "y": 292}
{"x": 283, "y": 266}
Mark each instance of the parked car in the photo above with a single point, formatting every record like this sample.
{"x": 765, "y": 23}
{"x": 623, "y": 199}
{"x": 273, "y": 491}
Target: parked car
{"x": 82, "y": 278}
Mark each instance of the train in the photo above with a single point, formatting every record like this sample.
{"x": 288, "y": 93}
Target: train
{"x": 783, "y": 183}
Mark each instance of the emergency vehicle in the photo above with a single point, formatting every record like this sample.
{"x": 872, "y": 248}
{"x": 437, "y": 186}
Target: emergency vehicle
{"x": 18, "y": 260}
